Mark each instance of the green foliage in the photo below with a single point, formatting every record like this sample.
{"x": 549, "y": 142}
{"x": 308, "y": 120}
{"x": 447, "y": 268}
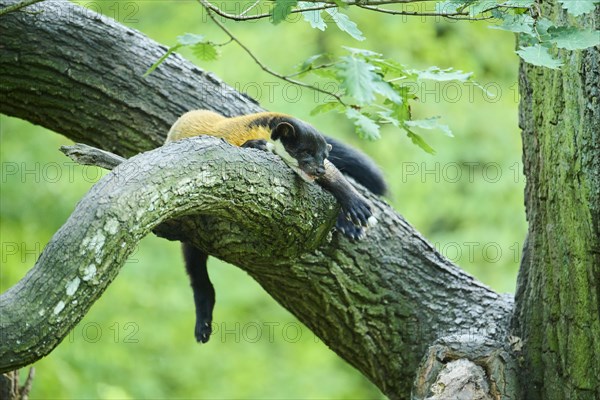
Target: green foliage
{"x": 539, "y": 55}
{"x": 430, "y": 123}
{"x": 201, "y": 48}
{"x": 343, "y": 22}
{"x": 282, "y": 9}
{"x": 579, "y": 7}
{"x": 437, "y": 74}
{"x": 375, "y": 91}
{"x": 205, "y": 51}
{"x": 571, "y": 38}
{"x": 518, "y": 23}
{"x": 418, "y": 140}
{"x": 313, "y": 17}
{"x": 365, "y": 126}
{"x": 536, "y": 32}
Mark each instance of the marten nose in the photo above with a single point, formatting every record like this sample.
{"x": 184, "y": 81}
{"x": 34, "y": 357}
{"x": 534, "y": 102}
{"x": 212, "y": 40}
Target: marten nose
{"x": 320, "y": 171}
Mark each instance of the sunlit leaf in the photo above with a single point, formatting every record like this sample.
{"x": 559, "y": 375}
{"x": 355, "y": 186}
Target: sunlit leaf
{"x": 282, "y": 9}
{"x": 518, "y": 23}
{"x": 571, "y": 38}
{"x": 578, "y": 7}
{"x": 449, "y": 6}
{"x": 519, "y": 3}
{"x": 418, "y": 140}
{"x": 205, "y": 51}
{"x": 540, "y": 56}
{"x": 365, "y": 126}
{"x": 429, "y": 124}
{"x": 326, "y": 107}
{"x": 313, "y": 17}
{"x": 481, "y": 6}
{"x": 188, "y": 39}
{"x": 360, "y": 81}
{"x": 345, "y": 24}
{"x": 442, "y": 75}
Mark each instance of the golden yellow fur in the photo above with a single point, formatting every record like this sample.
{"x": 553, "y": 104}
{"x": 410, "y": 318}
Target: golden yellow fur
{"x": 233, "y": 130}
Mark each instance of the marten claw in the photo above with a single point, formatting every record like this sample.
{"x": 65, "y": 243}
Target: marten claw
{"x": 354, "y": 218}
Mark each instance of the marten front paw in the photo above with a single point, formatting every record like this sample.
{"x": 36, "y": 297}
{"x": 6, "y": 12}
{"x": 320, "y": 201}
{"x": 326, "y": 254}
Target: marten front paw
{"x": 357, "y": 210}
{"x": 259, "y": 144}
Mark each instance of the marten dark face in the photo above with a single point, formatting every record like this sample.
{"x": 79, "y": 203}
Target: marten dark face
{"x": 305, "y": 146}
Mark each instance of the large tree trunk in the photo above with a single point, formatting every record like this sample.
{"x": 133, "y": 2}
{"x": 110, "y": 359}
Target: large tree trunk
{"x": 558, "y": 295}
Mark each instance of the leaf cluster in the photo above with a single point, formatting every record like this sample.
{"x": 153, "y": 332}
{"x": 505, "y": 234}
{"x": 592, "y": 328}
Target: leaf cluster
{"x": 539, "y": 37}
{"x": 377, "y": 91}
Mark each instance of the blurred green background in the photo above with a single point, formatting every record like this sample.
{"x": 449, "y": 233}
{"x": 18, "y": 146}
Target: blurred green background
{"x": 137, "y": 340}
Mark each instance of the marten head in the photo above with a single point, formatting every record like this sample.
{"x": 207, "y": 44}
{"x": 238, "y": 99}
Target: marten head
{"x": 301, "y": 146}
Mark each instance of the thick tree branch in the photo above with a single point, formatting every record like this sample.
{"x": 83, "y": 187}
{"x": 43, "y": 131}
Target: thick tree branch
{"x": 379, "y": 303}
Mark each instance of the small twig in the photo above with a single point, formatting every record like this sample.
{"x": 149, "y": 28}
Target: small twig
{"x": 18, "y": 6}
{"x": 222, "y": 44}
{"x": 88, "y": 155}
{"x": 247, "y": 10}
{"x": 26, "y": 388}
{"x": 310, "y": 69}
{"x": 242, "y": 17}
{"x": 456, "y": 15}
{"x": 268, "y": 70}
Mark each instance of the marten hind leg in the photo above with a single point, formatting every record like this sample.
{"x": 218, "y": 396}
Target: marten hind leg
{"x": 204, "y": 292}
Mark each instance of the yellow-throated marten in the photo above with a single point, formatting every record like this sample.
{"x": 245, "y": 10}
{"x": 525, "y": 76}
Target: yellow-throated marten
{"x": 310, "y": 154}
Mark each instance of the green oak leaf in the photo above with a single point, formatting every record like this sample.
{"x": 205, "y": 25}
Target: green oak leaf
{"x": 437, "y": 74}
{"x": 326, "y": 107}
{"x": 481, "y": 6}
{"x": 189, "y": 39}
{"x": 571, "y": 38}
{"x": 519, "y": 3}
{"x": 313, "y": 17}
{"x": 542, "y": 26}
{"x": 361, "y": 81}
{"x": 578, "y": 7}
{"x": 365, "y": 126}
{"x": 540, "y": 56}
{"x": 282, "y": 9}
{"x": 429, "y": 124}
{"x": 518, "y": 23}
{"x": 205, "y": 51}
{"x": 345, "y": 24}
{"x": 418, "y": 140}
{"x": 449, "y": 6}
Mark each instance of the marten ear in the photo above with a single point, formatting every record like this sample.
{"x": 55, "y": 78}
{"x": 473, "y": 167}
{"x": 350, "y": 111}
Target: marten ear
{"x": 283, "y": 129}
{"x": 329, "y": 147}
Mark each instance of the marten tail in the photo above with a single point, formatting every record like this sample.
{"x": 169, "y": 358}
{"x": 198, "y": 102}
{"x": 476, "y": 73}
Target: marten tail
{"x": 357, "y": 165}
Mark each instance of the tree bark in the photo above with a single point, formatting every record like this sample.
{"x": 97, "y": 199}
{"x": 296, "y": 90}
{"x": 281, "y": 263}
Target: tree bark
{"x": 557, "y": 313}
{"x": 384, "y": 304}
